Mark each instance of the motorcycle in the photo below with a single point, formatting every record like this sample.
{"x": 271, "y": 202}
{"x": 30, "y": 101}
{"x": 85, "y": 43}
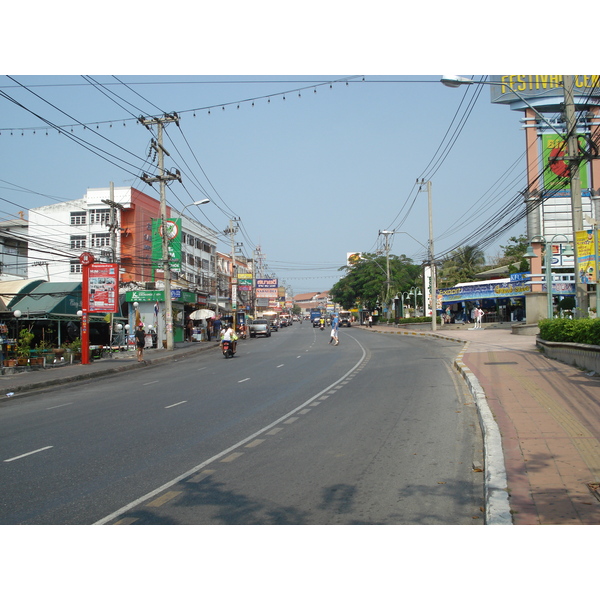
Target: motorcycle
{"x": 321, "y": 327}
{"x": 228, "y": 349}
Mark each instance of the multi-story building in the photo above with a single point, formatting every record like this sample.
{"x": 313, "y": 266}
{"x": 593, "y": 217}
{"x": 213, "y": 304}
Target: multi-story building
{"x": 119, "y": 230}
{"x": 13, "y": 249}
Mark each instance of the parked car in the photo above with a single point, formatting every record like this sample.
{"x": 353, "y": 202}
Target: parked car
{"x": 260, "y": 327}
{"x": 274, "y": 323}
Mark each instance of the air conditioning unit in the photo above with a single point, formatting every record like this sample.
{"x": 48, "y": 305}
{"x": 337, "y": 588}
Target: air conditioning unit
{"x": 150, "y": 285}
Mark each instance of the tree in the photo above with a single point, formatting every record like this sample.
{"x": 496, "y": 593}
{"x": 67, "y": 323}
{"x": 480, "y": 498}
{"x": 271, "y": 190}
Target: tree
{"x": 514, "y": 252}
{"x": 462, "y": 265}
{"x": 365, "y": 282}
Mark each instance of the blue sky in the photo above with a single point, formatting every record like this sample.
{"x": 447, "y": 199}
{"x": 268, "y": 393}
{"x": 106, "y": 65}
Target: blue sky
{"x": 312, "y": 176}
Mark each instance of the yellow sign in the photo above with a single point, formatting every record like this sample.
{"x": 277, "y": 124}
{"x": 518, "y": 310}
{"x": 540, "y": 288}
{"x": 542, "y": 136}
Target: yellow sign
{"x": 586, "y": 256}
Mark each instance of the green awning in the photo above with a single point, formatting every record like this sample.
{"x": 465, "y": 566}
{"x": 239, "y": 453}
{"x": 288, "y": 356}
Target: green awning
{"x": 48, "y": 299}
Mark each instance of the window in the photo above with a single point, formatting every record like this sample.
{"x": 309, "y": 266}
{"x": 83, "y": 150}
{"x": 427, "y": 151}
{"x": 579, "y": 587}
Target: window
{"x": 75, "y": 266}
{"x": 191, "y": 240}
{"x": 78, "y": 241}
{"x": 100, "y": 215}
{"x": 100, "y": 239}
{"x": 190, "y": 259}
{"x": 78, "y": 218}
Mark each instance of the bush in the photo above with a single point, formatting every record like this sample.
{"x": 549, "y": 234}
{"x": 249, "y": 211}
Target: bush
{"x": 577, "y": 331}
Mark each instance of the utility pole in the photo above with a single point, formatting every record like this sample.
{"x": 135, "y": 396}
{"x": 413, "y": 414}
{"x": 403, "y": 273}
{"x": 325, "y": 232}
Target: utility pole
{"x": 113, "y": 225}
{"x": 387, "y": 269}
{"x": 431, "y": 257}
{"x": 231, "y": 231}
{"x": 164, "y": 229}
{"x": 573, "y": 159}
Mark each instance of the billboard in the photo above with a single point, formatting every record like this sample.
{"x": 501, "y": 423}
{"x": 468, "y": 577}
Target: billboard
{"x": 103, "y": 288}
{"x": 267, "y": 284}
{"x": 586, "y": 256}
{"x": 173, "y": 243}
{"x": 540, "y": 87}
{"x": 556, "y": 168}
{"x": 352, "y": 258}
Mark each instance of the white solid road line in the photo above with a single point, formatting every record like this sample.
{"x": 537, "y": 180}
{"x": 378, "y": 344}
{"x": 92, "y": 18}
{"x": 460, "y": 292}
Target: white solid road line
{"x": 212, "y": 459}
{"x": 28, "y": 453}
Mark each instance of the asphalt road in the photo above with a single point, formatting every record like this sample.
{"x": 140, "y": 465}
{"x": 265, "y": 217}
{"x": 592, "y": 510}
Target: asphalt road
{"x": 293, "y": 430}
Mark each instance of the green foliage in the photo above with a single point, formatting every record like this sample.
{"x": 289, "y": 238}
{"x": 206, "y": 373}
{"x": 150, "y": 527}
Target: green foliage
{"x": 24, "y": 343}
{"x": 365, "y": 282}
{"x": 461, "y": 266}
{"x": 74, "y": 346}
{"x": 577, "y": 331}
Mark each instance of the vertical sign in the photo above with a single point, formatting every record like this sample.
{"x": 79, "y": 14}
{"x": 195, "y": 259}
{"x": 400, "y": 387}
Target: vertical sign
{"x": 103, "y": 288}
{"x": 586, "y": 257}
{"x": 173, "y": 243}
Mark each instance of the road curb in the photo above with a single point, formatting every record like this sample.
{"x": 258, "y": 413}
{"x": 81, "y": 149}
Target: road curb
{"x": 36, "y": 386}
{"x": 497, "y": 505}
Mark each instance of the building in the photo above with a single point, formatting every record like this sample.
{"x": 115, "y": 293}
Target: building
{"x": 13, "y": 249}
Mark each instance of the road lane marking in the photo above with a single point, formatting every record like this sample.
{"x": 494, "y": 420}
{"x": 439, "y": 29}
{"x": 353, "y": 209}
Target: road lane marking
{"x": 59, "y": 405}
{"x": 255, "y": 443}
{"x": 219, "y": 455}
{"x": 150, "y": 382}
{"x": 274, "y": 431}
{"x": 28, "y": 453}
{"x": 232, "y": 457}
{"x": 290, "y": 420}
{"x": 163, "y": 499}
{"x": 304, "y": 411}
{"x": 126, "y": 521}
{"x": 279, "y": 366}
{"x": 202, "y": 475}
{"x": 176, "y": 404}
{"x": 242, "y": 380}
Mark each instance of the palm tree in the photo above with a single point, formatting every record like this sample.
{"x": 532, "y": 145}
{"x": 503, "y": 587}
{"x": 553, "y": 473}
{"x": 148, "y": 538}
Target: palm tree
{"x": 462, "y": 265}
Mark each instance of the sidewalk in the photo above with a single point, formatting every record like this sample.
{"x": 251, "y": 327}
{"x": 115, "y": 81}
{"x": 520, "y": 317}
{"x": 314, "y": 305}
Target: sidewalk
{"x": 23, "y": 382}
{"x": 548, "y": 417}
{"x": 541, "y": 419}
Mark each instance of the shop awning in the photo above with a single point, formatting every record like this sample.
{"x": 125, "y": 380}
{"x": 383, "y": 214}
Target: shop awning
{"x": 13, "y": 291}
{"x": 50, "y": 300}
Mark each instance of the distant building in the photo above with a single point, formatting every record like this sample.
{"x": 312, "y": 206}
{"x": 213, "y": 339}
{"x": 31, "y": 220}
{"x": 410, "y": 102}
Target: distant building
{"x": 13, "y": 249}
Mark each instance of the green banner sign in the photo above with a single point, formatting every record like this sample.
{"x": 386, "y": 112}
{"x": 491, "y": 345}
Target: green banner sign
{"x": 174, "y": 244}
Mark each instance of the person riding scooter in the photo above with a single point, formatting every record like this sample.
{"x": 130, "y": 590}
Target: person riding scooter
{"x": 229, "y": 335}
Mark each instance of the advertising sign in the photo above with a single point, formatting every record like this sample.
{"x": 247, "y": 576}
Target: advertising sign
{"x": 173, "y": 243}
{"x": 245, "y": 282}
{"x": 352, "y": 258}
{"x": 586, "y": 256}
{"x": 103, "y": 287}
{"x": 267, "y": 284}
{"x": 266, "y": 293}
{"x": 556, "y": 168}
{"x": 540, "y": 86}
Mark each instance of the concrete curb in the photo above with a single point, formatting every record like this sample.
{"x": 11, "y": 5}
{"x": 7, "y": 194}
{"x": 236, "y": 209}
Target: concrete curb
{"x": 33, "y": 387}
{"x": 497, "y": 505}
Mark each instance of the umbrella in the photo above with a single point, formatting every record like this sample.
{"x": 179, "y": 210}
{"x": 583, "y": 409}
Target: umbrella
{"x": 203, "y": 313}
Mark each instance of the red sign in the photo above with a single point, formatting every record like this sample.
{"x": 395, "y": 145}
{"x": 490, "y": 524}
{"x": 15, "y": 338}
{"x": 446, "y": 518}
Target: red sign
{"x": 103, "y": 287}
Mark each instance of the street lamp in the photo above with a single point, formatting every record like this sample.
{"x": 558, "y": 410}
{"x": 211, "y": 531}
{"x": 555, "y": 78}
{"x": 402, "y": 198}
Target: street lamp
{"x": 548, "y": 263}
{"x": 414, "y": 292}
{"x": 17, "y": 314}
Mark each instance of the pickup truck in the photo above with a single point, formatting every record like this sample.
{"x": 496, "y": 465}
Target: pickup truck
{"x": 259, "y": 327}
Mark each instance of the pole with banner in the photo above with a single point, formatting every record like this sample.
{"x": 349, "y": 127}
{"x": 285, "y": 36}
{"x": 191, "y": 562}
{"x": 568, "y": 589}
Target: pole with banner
{"x": 86, "y": 259}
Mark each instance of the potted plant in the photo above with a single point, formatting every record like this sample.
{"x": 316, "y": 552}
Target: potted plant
{"x": 24, "y": 347}
{"x": 74, "y": 348}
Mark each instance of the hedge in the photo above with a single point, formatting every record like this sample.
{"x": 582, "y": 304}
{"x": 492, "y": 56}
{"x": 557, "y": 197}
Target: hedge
{"x": 577, "y": 331}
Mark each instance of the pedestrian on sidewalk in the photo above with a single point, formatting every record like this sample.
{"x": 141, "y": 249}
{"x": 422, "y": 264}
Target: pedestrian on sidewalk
{"x": 140, "y": 342}
{"x": 478, "y": 315}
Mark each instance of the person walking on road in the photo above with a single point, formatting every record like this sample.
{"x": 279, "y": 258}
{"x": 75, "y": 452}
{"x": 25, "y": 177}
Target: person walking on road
{"x": 140, "y": 343}
{"x": 334, "y": 330}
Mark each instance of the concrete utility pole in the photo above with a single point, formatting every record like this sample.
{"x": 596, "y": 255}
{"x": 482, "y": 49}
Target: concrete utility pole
{"x": 387, "y": 268}
{"x": 231, "y": 231}
{"x": 431, "y": 259}
{"x": 164, "y": 229}
{"x": 573, "y": 158}
{"x": 113, "y": 226}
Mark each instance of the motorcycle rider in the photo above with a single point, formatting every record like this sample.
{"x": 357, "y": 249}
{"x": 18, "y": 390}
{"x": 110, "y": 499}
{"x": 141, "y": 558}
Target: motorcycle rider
{"x": 322, "y": 323}
{"x": 229, "y": 335}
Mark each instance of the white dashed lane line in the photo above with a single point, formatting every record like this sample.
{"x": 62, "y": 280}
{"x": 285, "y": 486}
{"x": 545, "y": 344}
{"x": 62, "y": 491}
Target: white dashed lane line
{"x": 28, "y": 453}
{"x": 242, "y": 380}
{"x": 176, "y": 404}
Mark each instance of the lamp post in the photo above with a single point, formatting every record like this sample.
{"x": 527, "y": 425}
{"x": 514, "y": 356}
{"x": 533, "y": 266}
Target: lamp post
{"x": 414, "y": 291}
{"x": 571, "y": 142}
{"x": 17, "y": 314}
{"x": 404, "y": 296}
{"x": 548, "y": 263}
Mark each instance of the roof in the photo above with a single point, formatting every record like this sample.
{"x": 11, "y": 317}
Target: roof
{"x": 12, "y": 291}
{"x": 51, "y": 299}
